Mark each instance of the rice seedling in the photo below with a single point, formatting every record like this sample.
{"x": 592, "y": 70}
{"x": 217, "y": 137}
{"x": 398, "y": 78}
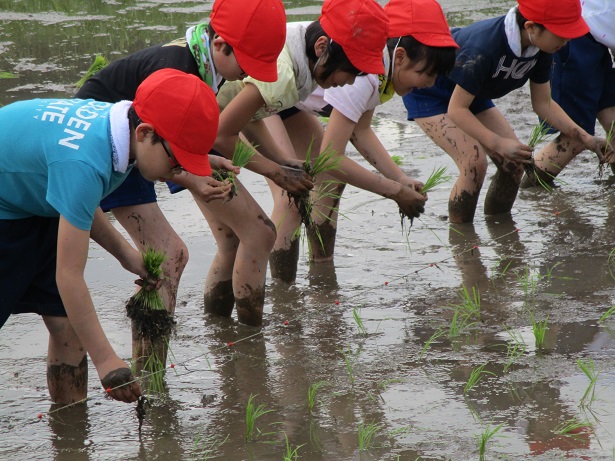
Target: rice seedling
{"x": 538, "y": 135}
{"x": 529, "y": 282}
{"x": 99, "y": 63}
{"x": 438, "y": 176}
{"x": 292, "y": 454}
{"x": 432, "y": 338}
{"x": 539, "y": 328}
{"x": 151, "y": 323}
{"x": 588, "y": 367}
{"x": 464, "y": 312}
{"x": 609, "y": 138}
{"x": 242, "y": 155}
{"x": 366, "y": 433}
{"x": 611, "y": 263}
{"x": 398, "y": 159}
{"x": 328, "y": 160}
{"x": 515, "y": 348}
{"x": 607, "y": 314}
{"x": 356, "y": 314}
{"x": 483, "y": 439}
{"x": 205, "y": 448}
{"x": 349, "y": 360}
{"x": 7, "y": 75}
{"x": 253, "y": 413}
{"x": 573, "y": 427}
{"x": 475, "y": 376}
{"x": 312, "y": 391}
{"x": 470, "y": 303}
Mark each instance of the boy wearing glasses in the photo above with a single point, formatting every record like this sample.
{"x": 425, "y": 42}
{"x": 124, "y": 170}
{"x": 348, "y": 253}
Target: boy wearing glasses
{"x": 60, "y": 158}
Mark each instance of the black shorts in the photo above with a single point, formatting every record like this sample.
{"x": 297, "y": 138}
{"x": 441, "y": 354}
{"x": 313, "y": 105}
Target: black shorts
{"x": 28, "y": 249}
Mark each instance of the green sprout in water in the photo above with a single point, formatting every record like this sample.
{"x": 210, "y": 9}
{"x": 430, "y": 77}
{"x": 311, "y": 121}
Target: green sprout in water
{"x": 366, "y": 433}
{"x": 607, "y": 314}
{"x": 588, "y": 368}
{"x": 539, "y": 328}
{"x": 573, "y": 427}
{"x": 205, "y": 448}
{"x": 7, "y": 75}
{"x": 292, "y": 454}
{"x": 398, "y": 159}
{"x": 99, "y": 63}
{"x": 253, "y": 413}
{"x": 515, "y": 348}
{"x": 475, "y": 376}
{"x": 484, "y": 438}
{"x": 356, "y": 314}
{"x": 242, "y": 155}
{"x": 312, "y": 391}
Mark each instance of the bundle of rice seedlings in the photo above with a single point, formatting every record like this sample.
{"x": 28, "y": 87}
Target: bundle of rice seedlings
{"x": 241, "y": 157}
{"x": 99, "y": 63}
{"x": 151, "y": 322}
{"x": 539, "y": 134}
{"x": 328, "y": 160}
{"x": 438, "y": 176}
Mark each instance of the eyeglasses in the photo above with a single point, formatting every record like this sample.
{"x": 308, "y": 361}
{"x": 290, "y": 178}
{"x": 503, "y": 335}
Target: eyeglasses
{"x": 176, "y": 168}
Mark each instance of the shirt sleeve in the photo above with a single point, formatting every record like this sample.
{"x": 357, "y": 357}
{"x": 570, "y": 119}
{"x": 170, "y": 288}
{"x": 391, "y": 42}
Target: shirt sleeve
{"x": 354, "y": 100}
{"x": 541, "y": 73}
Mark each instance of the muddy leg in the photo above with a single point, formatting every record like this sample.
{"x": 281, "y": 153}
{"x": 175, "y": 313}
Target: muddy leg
{"x": 250, "y": 307}
{"x": 321, "y": 237}
{"x": 283, "y": 262}
{"x": 552, "y": 159}
{"x": 503, "y": 189}
{"x": 67, "y": 365}
{"x": 219, "y": 299}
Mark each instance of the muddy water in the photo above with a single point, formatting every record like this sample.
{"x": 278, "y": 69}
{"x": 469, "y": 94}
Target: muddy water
{"x": 551, "y": 258}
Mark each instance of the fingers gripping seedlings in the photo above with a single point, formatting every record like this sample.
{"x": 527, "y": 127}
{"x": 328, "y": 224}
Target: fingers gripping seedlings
{"x": 539, "y": 134}
{"x": 609, "y": 138}
{"x": 328, "y": 160}
{"x": 242, "y": 155}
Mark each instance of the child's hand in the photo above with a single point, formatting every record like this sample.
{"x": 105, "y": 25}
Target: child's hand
{"x": 512, "y": 150}
{"x": 118, "y": 381}
{"x": 599, "y": 146}
{"x": 222, "y": 163}
{"x": 410, "y": 201}
{"x": 411, "y": 183}
{"x": 294, "y": 180}
{"x": 206, "y": 188}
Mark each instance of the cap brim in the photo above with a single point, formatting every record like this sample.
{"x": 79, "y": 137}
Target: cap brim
{"x": 197, "y": 164}
{"x": 368, "y": 64}
{"x": 437, "y": 40}
{"x": 572, "y": 30}
{"x": 258, "y": 70}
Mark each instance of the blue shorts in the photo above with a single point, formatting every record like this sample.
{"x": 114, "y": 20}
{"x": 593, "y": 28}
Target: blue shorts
{"x": 28, "y": 249}
{"x": 583, "y": 80}
{"x": 427, "y": 102}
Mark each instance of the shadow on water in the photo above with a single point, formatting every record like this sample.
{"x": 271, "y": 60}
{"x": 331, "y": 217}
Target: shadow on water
{"x": 378, "y": 337}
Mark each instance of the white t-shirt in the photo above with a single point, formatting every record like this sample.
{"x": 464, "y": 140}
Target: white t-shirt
{"x": 600, "y": 17}
{"x": 352, "y": 101}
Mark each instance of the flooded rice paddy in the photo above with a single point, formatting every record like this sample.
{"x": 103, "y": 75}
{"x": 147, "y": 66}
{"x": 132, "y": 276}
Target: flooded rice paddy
{"x": 383, "y": 337}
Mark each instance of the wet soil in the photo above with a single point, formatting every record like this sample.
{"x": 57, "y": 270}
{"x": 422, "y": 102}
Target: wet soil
{"x": 549, "y": 258}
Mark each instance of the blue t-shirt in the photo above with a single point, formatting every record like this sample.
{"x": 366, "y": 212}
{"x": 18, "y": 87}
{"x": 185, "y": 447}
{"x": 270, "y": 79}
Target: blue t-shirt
{"x": 56, "y": 159}
{"x": 485, "y": 65}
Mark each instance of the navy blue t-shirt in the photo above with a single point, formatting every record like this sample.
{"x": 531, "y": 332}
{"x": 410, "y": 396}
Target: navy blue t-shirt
{"x": 485, "y": 65}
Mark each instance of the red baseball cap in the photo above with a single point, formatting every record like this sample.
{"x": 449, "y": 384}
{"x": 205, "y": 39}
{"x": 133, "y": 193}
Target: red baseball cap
{"x": 183, "y": 111}
{"x": 423, "y": 19}
{"x": 256, "y": 29}
{"x": 361, "y": 28}
{"x": 560, "y": 17}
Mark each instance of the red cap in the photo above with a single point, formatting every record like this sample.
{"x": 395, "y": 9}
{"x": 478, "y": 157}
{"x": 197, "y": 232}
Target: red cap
{"x": 361, "y": 28}
{"x": 423, "y": 19}
{"x": 256, "y": 29}
{"x": 560, "y": 17}
{"x": 183, "y": 111}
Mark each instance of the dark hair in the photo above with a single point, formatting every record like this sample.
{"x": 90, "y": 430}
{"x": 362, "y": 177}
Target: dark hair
{"x": 134, "y": 121}
{"x": 335, "y": 60}
{"x": 228, "y": 49}
{"x": 521, "y": 21}
{"x": 439, "y": 60}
